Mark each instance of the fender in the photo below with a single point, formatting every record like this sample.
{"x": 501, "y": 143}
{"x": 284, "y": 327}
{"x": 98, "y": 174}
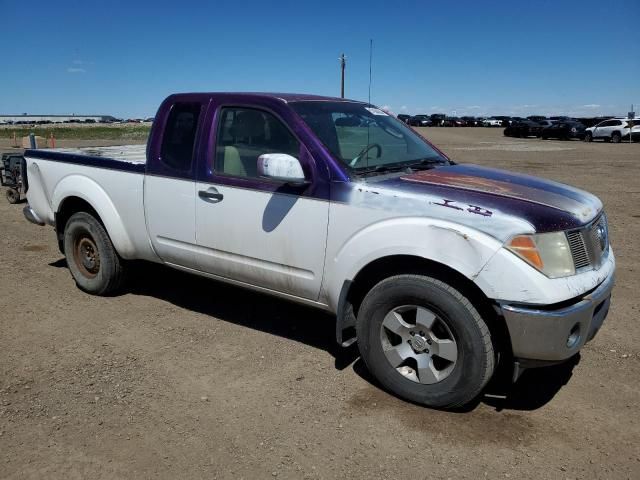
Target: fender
{"x": 91, "y": 192}
{"x": 461, "y": 248}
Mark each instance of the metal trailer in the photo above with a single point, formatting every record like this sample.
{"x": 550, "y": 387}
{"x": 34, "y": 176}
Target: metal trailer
{"x": 11, "y": 175}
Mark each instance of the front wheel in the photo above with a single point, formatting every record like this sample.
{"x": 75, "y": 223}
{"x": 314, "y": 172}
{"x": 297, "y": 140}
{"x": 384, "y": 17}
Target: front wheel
{"x": 93, "y": 261}
{"x": 588, "y": 137}
{"x": 424, "y": 341}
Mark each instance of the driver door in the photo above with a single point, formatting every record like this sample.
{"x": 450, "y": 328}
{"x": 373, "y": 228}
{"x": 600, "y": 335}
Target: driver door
{"x": 256, "y": 230}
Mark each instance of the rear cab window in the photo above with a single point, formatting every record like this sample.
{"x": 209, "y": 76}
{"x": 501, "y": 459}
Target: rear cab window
{"x": 179, "y": 136}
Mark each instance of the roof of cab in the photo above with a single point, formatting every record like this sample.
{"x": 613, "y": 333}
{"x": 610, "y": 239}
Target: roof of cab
{"x": 286, "y": 97}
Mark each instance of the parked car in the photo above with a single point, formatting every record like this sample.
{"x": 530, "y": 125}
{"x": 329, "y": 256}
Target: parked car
{"x": 403, "y": 117}
{"x": 437, "y": 119}
{"x": 453, "y": 122}
{"x": 420, "y": 121}
{"x": 614, "y": 130}
{"x": 492, "y": 122}
{"x": 436, "y": 269}
{"x": 523, "y": 129}
{"x": 563, "y": 130}
{"x": 472, "y": 121}
{"x": 536, "y": 118}
{"x": 546, "y": 123}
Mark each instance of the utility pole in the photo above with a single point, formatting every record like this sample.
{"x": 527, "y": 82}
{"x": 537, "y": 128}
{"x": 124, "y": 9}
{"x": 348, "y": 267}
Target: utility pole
{"x": 343, "y": 63}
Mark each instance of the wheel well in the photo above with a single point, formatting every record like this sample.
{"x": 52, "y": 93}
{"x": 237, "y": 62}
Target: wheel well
{"x": 385, "y": 267}
{"x": 68, "y": 207}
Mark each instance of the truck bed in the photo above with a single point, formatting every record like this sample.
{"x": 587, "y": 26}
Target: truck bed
{"x": 119, "y": 157}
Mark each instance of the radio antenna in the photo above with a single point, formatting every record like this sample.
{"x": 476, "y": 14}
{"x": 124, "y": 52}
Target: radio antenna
{"x": 370, "y": 63}
{"x": 343, "y": 63}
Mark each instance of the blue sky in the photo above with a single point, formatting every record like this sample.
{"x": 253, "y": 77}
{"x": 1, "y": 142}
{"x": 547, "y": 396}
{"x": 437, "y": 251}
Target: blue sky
{"x": 468, "y": 57}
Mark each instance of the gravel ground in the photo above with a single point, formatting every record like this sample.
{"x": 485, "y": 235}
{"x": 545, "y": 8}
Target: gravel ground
{"x": 181, "y": 377}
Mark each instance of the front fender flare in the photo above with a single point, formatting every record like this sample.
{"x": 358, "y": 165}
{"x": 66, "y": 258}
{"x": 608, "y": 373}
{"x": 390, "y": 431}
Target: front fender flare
{"x": 461, "y": 248}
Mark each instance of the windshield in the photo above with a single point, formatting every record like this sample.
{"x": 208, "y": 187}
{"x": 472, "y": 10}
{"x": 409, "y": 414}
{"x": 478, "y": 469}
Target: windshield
{"x": 365, "y": 138}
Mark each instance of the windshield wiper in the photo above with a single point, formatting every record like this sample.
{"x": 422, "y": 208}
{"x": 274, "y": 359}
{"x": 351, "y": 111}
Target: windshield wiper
{"x": 381, "y": 169}
{"x": 424, "y": 163}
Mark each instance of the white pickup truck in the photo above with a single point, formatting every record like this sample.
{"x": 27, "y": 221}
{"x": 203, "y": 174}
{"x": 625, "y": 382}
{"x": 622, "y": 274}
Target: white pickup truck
{"x": 438, "y": 270}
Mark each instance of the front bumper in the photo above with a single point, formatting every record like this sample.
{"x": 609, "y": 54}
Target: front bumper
{"x": 557, "y": 334}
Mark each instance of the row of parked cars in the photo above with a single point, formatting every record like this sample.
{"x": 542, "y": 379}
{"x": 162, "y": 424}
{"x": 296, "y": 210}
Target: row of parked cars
{"x": 559, "y": 127}
{"x": 76, "y": 120}
{"x": 613, "y": 130}
{"x": 442, "y": 120}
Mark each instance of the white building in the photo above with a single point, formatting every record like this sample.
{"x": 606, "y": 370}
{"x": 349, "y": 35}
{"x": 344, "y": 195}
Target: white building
{"x": 31, "y": 119}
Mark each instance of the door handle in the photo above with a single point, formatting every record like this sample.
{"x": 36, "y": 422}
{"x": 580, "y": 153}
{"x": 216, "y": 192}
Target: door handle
{"x": 211, "y": 193}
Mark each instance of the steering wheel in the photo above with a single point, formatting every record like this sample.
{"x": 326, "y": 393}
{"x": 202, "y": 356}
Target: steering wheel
{"x": 364, "y": 151}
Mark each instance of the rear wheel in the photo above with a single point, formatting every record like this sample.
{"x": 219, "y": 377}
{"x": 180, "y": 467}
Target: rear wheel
{"x": 13, "y": 196}
{"x": 616, "y": 137}
{"x": 424, "y": 341}
{"x": 91, "y": 257}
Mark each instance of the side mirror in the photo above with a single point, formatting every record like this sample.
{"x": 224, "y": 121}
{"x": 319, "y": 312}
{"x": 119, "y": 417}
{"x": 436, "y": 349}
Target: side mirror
{"x": 281, "y": 166}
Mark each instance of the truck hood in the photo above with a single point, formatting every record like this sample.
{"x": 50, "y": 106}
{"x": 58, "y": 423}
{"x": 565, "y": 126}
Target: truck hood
{"x": 469, "y": 193}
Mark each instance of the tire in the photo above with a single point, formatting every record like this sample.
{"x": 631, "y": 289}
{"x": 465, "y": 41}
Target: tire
{"x": 448, "y": 381}
{"x": 13, "y": 196}
{"x": 91, "y": 257}
{"x": 616, "y": 137}
{"x": 588, "y": 137}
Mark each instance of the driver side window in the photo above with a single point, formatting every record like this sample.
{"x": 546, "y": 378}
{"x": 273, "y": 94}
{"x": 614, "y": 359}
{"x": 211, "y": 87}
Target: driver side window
{"x": 246, "y": 133}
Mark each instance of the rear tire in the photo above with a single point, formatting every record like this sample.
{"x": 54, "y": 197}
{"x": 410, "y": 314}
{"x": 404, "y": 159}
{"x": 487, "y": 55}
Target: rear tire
{"x": 616, "y": 137}
{"x": 416, "y": 361}
{"x": 93, "y": 261}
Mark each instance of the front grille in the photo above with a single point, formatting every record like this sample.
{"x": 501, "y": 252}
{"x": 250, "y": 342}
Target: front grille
{"x": 589, "y": 244}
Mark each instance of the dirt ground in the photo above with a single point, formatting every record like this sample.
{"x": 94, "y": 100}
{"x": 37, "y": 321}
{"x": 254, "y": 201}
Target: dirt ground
{"x": 181, "y": 377}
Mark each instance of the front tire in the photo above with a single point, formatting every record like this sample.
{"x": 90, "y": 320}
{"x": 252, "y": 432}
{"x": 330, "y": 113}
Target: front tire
{"x": 424, "y": 341}
{"x": 588, "y": 137}
{"x": 93, "y": 261}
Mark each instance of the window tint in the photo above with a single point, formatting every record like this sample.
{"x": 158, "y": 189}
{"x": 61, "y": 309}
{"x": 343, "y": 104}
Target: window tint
{"x": 244, "y": 134}
{"x": 179, "y": 136}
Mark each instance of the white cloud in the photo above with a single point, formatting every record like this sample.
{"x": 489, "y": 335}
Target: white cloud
{"x": 404, "y": 108}
{"x": 591, "y": 105}
{"x": 474, "y": 107}
{"x": 76, "y": 70}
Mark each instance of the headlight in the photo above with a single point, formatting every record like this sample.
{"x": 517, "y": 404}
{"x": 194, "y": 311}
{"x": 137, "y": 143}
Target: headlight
{"x": 548, "y": 252}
